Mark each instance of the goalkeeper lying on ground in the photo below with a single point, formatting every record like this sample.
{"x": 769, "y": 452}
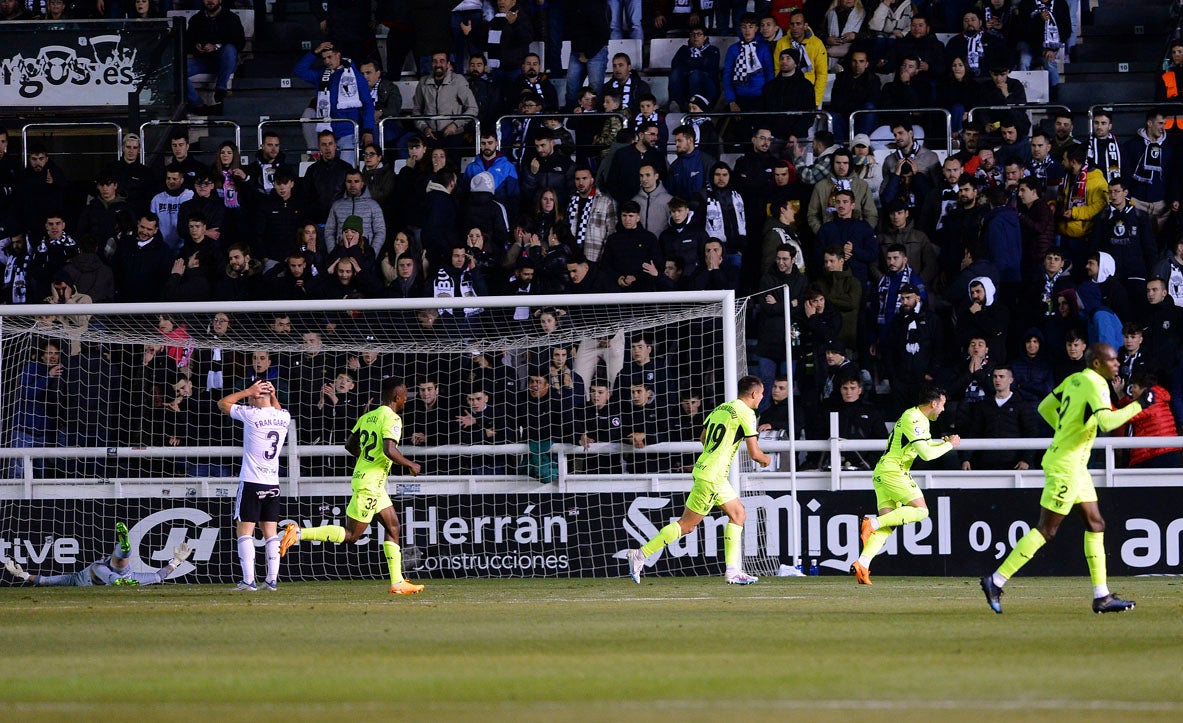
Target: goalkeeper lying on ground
{"x": 114, "y": 569}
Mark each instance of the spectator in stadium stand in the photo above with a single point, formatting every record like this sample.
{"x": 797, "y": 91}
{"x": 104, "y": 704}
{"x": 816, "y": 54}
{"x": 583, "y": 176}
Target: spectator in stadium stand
{"x": 443, "y": 93}
{"x": 1151, "y": 171}
{"x": 723, "y": 214}
{"x": 505, "y": 39}
{"x": 377, "y": 176}
{"x": 14, "y": 10}
{"x": 941, "y": 199}
{"x": 356, "y": 202}
{"x": 773, "y": 306}
{"x": 907, "y": 186}
{"x": 781, "y": 229}
{"x": 341, "y": 92}
{"x": 142, "y": 262}
{"x": 1084, "y": 197}
{"x": 206, "y": 202}
{"x": 599, "y": 421}
{"x": 352, "y": 243}
{"x": 592, "y": 214}
{"x": 197, "y": 240}
{"x": 41, "y": 188}
{"x": 886, "y": 303}
{"x": 981, "y": 315}
{"x": 563, "y": 380}
{"x": 1154, "y": 421}
{"x": 588, "y": 29}
{"x": 688, "y": 426}
{"x": 907, "y": 148}
{"x": 1043, "y": 165}
{"x": 241, "y": 279}
{"x": 981, "y": 51}
{"x": 214, "y": 37}
{"x": 844, "y": 24}
{"x": 815, "y": 61}
{"x": 890, "y": 21}
{"x": 1126, "y": 233}
{"x": 1103, "y": 322}
{"x": 188, "y": 282}
{"x": 269, "y": 160}
{"x": 919, "y": 250}
{"x": 100, "y": 217}
{"x": 824, "y": 147}
{"x": 1166, "y": 87}
{"x": 440, "y": 227}
{"x": 277, "y": 219}
{"x": 628, "y": 82}
{"x": 1131, "y": 357}
{"x": 774, "y": 417}
{"x": 487, "y": 92}
{"x": 1104, "y": 150}
{"x": 35, "y": 420}
{"x": 654, "y": 201}
{"x": 1013, "y": 172}
{"x": 324, "y": 181}
{"x": 694, "y": 71}
{"x": 1062, "y": 138}
{"x": 623, "y": 181}
{"x": 963, "y": 223}
{"x": 294, "y": 279}
{"x": 747, "y": 67}
{"x": 789, "y": 92}
{"x": 1041, "y": 29}
{"x": 14, "y": 255}
{"x": 854, "y": 236}
{"x": 856, "y": 88}
{"x": 181, "y": 158}
{"x": 541, "y": 416}
{"x": 644, "y": 421}
{"x": 1004, "y": 242}
{"x": 1032, "y": 368}
{"x": 1170, "y": 269}
{"x": 713, "y": 273}
{"x": 689, "y": 173}
{"x": 481, "y": 210}
{"x": 913, "y": 349}
{"x": 843, "y": 292}
{"x": 89, "y": 270}
{"x": 684, "y": 238}
{"x": 1160, "y": 332}
{"x": 838, "y": 366}
{"x": 1068, "y": 322}
{"x": 821, "y": 206}
{"x": 920, "y": 43}
{"x": 1014, "y": 146}
{"x": 1004, "y": 414}
{"x": 632, "y": 256}
{"x": 645, "y": 366}
{"x": 1075, "y": 344}
{"x": 857, "y": 418}
{"x": 974, "y": 264}
{"x": 544, "y": 167}
{"x": 133, "y": 177}
{"x": 526, "y": 76}
{"x": 493, "y": 161}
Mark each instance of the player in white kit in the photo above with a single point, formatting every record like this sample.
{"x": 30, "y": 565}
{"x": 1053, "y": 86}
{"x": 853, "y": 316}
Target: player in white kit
{"x": 264, "y": 428}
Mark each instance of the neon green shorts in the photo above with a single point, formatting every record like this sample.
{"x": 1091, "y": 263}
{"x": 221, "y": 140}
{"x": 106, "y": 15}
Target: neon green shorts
{"x": 1066, "y": 487}
{"x": 706, "y": 495}
{"x": 369, "y": 497}
{"x": 894, "y": 489}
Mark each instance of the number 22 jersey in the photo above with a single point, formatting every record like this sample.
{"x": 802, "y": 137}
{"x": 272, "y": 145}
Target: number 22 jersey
{"x": 373, "y": 427}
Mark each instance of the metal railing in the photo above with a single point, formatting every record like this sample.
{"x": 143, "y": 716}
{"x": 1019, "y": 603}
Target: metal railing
{"x": 302, "y": 122}
{"x": 894, "y": 114}
{"x": 1027, "y": 107}
{"x": 543, "y": 116}
{"x": 817, "y": 115}
{"x": 82, "y": 124}
{"x": 476, "y": 125}
{"x": 1177, "y": 106}
{"x": 169, "y": 124}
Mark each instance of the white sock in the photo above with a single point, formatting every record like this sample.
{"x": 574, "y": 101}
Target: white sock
{"x": 865, "y": 561}
{"x": 271, "y": 556}
{"x": 732, "y": 571}
{"x": 1100, "y": 591}
{"x": 874, "y": 521}
{"x": 999, "y": 580}
{"x": 246, "y": 557}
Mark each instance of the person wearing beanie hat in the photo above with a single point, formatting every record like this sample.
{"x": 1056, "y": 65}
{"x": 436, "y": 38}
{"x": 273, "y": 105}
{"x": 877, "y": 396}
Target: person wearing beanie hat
{"x": 694, "y": 72}
{"x": 353, "y": 223}
{"x": 482, "y": 183}
{"x": 863, "y": 164}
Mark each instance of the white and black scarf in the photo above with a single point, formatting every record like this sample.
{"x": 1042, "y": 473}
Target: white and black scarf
{"x": 1105, "y": 154}
{"x": 1051, "y": 31}
{"x": 747, "y": 62}
{"x": 948, "y": 203}
{"x": 974, "y": 52}
{"x": 1049, "y": 283}
{"x": 806, "y": 66}
{"x": 579, "y": 210}
{"x": 347, "y": 92}
{"x": 683, "y": 7}
{"x": 1149, "y": 169}
{"x": 450, "y": 284}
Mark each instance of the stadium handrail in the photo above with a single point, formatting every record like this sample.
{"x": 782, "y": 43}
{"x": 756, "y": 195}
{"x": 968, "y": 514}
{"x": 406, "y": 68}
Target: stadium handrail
{"x": 302, "y": 122}
{"x": 891, "y": 113}
{"x": 69, "y": 124}
{"x": 1131, "y": 107}
{"x": 544, "y": 116}
{"x": 1019, "y": 106}
{"x": 199, "y": 123}
{"x": 829, "y": 118}
{"x": 476, "y": 125}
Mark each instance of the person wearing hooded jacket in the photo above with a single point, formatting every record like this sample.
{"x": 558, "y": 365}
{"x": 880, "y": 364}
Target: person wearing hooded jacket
{"x": 684, "y": 237}
{"x": 982, "y": 316}
{"x": 1153, "y": 421}
{"x": 483, "y": 210}
{"x": 1101, "y": 271}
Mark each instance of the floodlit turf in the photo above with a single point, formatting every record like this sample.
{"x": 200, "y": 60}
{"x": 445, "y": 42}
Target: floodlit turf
{"x": 556, "y": 650}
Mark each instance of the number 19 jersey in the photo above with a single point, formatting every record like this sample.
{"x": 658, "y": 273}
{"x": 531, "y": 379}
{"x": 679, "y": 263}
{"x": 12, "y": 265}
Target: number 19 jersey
{"x": 725, "y": 428}
{"x": 373, "y": 427}
{"x": 264, "y": 430}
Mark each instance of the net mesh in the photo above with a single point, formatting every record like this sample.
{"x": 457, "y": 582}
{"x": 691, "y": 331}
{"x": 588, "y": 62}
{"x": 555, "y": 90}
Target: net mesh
{"x": 579, "y": 392}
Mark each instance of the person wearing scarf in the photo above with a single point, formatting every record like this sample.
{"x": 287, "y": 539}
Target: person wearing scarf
{"x": 339, "y": 96}
{"x": 1104, "y": 152}
{"x": 1150, "y": 169}
{"x": 1084, "y": 195}
{"x": 900, "y": 275}
{"x": 815, "y": 61}
{"x": 980, "y": 51}
{"x": 1043, "y": 30}
{"x": 747, "y": 66}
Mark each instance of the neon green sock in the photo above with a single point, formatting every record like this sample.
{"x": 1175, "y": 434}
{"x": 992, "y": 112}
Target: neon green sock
{"x": 733, "y": 545}
{"x": 324, "y": 533}
{"x": 394, "y": 560}
{"x": 664, "y": 536}
{"x": 874, "y": 544}
{"x": 902, "y": 516}
{"x": 1094, "y": 554}
{"x": 1022, "y": 554}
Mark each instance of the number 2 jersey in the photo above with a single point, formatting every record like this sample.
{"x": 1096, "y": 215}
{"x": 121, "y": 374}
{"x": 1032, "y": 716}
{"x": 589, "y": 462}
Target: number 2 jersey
{"x": 373, "y": 427}
{"x": 264, "y": 431}
{"x": 724, "y": 429}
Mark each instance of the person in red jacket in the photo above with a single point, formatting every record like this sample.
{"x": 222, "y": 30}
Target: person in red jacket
{"x": 1155, "y": 421}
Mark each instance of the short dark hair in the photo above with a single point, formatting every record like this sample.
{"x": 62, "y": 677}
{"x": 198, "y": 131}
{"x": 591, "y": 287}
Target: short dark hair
{"x": 630, "y": 206}
{"x": 390, "y": 385}
{"x": 930, "y": 393}
{"x": 748, "y": 383}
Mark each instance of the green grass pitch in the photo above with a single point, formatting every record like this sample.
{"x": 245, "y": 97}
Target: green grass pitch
{"x": 557, "y": 650}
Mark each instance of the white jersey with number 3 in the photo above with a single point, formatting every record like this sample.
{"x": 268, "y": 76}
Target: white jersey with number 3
{"x": 264, "y": 430}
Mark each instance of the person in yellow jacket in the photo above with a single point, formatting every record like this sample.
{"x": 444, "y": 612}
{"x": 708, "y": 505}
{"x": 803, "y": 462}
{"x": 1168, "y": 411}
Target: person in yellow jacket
{"x": 817, "y": 62}
{"x": 1085, "y": 193}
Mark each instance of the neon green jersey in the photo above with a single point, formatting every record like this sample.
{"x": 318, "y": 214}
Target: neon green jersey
{"x": 910, "y": 438}
{"x": 1076, "y": 410}
{"x": 373, "y": 427}
{"x": 728, "y": 425}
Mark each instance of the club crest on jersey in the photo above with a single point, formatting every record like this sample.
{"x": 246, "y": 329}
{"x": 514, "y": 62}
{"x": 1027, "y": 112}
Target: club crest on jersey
{"x": 917, "y": 430}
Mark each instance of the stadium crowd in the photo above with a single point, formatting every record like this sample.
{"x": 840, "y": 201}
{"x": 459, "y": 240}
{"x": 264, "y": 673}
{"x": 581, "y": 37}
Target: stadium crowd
{"x": 987, "y": 271}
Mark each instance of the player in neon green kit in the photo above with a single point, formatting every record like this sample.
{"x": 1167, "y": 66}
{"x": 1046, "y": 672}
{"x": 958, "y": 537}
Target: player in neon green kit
{"x": 723, "y": 429}
{"x": 374, "y": 444}
{"x": 1076, "y": 410}
{"x": 897, "y": 496}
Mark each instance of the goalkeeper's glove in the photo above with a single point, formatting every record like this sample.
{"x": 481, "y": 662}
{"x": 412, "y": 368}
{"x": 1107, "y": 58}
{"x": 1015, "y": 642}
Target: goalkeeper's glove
{"x": 180, "y": 554}
{"x": 1147, "y": 398}
{"x": 15, "y": 570}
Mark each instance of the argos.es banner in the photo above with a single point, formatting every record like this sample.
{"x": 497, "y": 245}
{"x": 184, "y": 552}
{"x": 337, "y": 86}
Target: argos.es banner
{"x": 89, "y": 63}
{"x": 586, "y": 535}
